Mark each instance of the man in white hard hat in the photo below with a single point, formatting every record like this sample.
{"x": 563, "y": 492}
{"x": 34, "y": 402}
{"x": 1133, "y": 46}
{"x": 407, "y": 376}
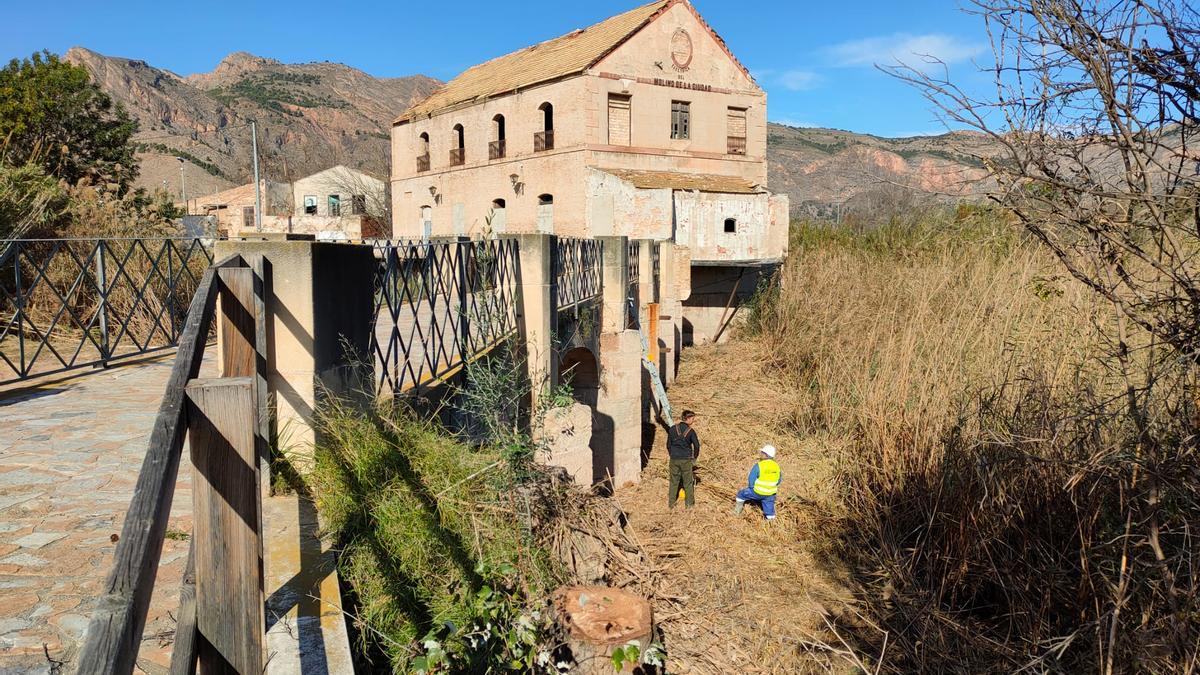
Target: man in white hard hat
{"x": 762, "y": 485}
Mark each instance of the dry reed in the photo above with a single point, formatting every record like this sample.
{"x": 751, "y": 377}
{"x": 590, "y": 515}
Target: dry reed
{"x": 994, "y": 498}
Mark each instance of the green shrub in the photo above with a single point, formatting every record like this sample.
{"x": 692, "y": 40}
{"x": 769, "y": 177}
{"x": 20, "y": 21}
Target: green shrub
{"x": 436, "y": 543}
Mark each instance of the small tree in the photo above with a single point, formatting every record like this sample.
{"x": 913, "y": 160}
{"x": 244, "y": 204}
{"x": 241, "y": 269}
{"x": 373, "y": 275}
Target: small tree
{"x": 1094, "y": 115}
{"x": 52, "y": 115}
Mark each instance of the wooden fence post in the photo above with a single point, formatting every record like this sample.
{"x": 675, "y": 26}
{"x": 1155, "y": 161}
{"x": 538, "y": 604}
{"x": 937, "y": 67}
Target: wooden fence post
{"x": 236, "y": 322}
{"x": 222, "y": 425}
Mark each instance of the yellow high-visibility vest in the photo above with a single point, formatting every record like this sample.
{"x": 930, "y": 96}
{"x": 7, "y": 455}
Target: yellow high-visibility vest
{"x": 767, "y": 483}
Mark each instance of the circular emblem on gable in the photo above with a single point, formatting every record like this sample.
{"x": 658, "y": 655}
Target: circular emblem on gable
{"x": 681, "y": 50}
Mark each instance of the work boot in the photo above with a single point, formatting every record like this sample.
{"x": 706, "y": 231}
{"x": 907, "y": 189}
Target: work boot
{"x": 737, "y": 508}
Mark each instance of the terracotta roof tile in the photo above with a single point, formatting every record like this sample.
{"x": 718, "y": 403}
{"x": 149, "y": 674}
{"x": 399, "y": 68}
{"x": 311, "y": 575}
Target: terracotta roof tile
{"x": 702, "y": 182}
{"x": 566, "y": 55}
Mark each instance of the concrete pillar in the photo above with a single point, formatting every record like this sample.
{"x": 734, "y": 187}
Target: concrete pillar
{"x": 535, "y": 310}
{"x": 320, "y": 308}
{"x": 675, "y": 268}
{"x": 617, "y": 423}
{"x": 614, "y": 283}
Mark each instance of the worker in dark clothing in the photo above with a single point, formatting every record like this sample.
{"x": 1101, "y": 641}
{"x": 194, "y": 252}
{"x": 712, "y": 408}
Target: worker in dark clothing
{"x": 683, "y": 447}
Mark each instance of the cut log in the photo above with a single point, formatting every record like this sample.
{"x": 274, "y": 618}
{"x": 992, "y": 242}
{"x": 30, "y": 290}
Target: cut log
{"x": 599, "y": 619}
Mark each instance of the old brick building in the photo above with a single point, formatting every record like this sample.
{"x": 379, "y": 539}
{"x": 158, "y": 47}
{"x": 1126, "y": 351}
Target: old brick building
{"x": 642, "y": 125}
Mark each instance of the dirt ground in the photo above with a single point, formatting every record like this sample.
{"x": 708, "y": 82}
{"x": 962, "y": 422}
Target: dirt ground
{"x": 738, "y": 593}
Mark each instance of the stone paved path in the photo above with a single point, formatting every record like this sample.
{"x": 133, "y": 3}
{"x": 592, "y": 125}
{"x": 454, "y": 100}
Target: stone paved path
{"x": 70, "y": 452}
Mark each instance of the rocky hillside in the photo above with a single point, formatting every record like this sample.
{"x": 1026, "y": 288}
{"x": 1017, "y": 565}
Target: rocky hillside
{"x": 821, "y": 168}
{"x": 315, "y": 115}
{"x": 311, "y": 116}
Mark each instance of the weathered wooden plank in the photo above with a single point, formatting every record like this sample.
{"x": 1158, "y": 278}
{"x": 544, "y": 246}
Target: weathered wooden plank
{"x": 115, "y": 631}
{"x": 261, "y": 268}
{"x": 222, "y": 430}
{"x": 236, "y": 322}
{"x": 183, "y": 652}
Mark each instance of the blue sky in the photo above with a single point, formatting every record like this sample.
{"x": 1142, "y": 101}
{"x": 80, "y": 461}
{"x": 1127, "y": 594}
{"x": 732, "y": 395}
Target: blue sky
{"x": 815, "y": 59}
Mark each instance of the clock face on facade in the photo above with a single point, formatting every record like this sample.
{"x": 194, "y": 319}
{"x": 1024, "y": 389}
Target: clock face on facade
{"x": 681, "y": 50}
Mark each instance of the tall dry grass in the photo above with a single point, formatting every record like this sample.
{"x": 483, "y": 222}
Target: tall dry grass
{"x": 1014, "y": 489}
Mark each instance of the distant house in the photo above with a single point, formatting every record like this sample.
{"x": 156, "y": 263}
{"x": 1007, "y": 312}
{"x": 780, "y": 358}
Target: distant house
{"x": 234, "y": 208}
{"x": 643, "y": 125}
{"x": 337, "y": 203}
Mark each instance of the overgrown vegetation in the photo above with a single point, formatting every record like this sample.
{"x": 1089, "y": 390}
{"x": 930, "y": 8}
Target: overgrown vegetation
{"x": 53, "y": 116}
{"x": 999, "y": 499}
{"x": 436, "y": 541}
{"x": 453, "y": 536}
{"x": 67, "y": 163}
{"x": 276, "y": 91}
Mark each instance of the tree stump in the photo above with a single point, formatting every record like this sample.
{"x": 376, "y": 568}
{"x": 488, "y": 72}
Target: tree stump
{"x": 599, "y": 619}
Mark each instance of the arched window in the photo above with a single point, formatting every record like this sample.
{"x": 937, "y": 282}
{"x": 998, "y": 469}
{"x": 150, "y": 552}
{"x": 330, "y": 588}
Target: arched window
{"x": 544, "y": 139}
{"x": 423, "y": 152}
{"x": 458, "y": 147}
{"x": 545, "y": 214}
{"x": 498, "y": 203}
{"x": 731, "y": 225}
{"x": 496, "y": 149}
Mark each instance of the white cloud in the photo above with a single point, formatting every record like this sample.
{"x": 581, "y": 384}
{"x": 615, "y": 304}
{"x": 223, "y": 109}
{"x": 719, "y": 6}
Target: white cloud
{"x": 799, "y": 80}
{"x": 913, "y": 50}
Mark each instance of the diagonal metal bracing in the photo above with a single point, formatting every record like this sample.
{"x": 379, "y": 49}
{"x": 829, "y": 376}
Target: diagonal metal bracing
{"x": 633, "y": 295}
{"x": 439, "y": 304}
{"x": 73, "y": 303}
{"x": 576, "y": 271}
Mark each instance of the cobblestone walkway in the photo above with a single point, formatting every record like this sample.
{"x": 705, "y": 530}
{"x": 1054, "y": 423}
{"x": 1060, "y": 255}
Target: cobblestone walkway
{"x": 70, "y": 452}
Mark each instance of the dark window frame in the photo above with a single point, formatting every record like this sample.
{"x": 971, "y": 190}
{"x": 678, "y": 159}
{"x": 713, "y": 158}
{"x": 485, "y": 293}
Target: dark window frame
{"x": 681, "y": 120}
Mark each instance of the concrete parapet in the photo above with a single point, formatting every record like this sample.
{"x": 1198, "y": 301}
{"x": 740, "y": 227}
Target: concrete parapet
{"x": 535, "y": 311}
{"x": 614, "y": 281}
{"x": 319, "y": 316}
{"x": 617, "y": 424}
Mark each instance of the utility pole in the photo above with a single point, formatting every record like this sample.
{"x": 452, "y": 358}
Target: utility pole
{"x": 183, "y": 186}
{"x": 257, "y": 185}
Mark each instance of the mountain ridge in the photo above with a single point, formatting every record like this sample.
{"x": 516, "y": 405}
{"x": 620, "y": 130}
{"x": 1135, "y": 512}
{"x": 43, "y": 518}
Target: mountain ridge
{"x": 318, "y": 114}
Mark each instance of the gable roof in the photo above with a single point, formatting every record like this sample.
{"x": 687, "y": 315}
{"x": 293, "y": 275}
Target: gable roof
{"x": 566, "y": 55}
{"x": 702, "y": 182}
{"x": 342, "y": 169}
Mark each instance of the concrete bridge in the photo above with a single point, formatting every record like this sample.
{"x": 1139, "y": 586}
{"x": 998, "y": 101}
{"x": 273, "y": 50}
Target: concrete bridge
{"x": 71, "y": 444}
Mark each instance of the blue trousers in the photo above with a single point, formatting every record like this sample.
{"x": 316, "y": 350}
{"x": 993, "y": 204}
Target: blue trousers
{"x": 767, "y": 503}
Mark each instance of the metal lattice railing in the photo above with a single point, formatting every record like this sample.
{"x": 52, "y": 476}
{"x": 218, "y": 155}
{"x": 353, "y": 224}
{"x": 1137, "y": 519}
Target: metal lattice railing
{"x": 438, "y": 305}
{"x": 576, "y": 271}
{"x": 656, "y": 269}
{"x": 633, "y": 257}
{"x": 72, "y": 303}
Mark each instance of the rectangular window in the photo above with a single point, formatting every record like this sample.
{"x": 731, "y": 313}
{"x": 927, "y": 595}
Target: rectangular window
{"x": 618, "y": 119}
{"x": 310, "y": 205}
{"x": 248, "y": 217}
{"x": 681, "y": 120}
{"x": 736, "y": 131}
{"x": 335, "y": 205}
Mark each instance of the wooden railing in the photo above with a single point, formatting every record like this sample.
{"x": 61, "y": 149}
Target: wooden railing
{"x": 221, "y": 623}
{"x": 496, "y": 149}
{"x": 422, "y": 163}
{"x": 543, "y": 141}
{"x": 458, "y": 156}
{"x": 737, "y": 145}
